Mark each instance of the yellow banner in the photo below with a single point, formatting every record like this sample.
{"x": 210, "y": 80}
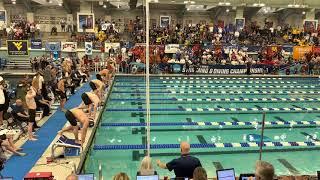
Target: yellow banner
{"x": 300, "y": 51}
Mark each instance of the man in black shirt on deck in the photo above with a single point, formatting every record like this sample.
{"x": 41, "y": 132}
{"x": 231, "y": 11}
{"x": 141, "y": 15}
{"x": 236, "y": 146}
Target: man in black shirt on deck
{"x": 184, "y": 166}
{"x": 42, "y": 103}
{"x": 18, "y": 112}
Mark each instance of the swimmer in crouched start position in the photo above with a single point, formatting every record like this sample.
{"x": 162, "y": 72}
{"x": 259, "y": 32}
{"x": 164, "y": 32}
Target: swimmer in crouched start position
{"x": 74, "y": 116}
{"x": 90, "y": 99}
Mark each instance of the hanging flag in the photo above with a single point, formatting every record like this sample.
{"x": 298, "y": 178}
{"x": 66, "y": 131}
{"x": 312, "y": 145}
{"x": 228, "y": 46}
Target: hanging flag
{"x": 88, "y": 47}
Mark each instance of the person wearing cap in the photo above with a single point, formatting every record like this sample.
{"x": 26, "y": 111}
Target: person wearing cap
{"x": 74, "y": 116}
{"x": 32, "y": 106}
{"x": 90, "y": 99}
{"x": 2, "y": 100}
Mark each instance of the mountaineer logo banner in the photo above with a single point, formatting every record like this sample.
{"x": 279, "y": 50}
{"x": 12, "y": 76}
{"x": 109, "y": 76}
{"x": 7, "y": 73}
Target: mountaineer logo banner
{"x": 17, "y": 48}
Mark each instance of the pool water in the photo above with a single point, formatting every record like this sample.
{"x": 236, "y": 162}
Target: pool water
{"x": 219, "y": 116}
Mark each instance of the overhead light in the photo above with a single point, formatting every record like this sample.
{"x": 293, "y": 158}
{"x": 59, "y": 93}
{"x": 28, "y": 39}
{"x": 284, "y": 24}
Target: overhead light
{"x": 259, "y": 4}
{"x": 224, "y": 3}
{"x": 295, "y": 5}
{"x": 303, "y": 12}
{"x": 227, "y": 10}
{"x": 50, "y": 1}
{"x": 188, "y": 9}
{"x": 173, "y": 1}
{"x": 104, "y": 6}
{"x": 189, "y": 2}
{"x": 156, "y": 1}
{"x": 13, "y": 2}
{"x": 100, "y": 3}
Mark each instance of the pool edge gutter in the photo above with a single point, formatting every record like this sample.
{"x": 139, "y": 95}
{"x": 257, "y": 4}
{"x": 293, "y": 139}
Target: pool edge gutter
{"x": 92, "y": 136}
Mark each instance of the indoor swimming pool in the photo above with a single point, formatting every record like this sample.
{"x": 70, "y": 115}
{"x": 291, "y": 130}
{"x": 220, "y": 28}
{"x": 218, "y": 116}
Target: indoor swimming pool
{"x": 220, "y": 117}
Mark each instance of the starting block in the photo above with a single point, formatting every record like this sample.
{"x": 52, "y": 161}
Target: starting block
{"x": 39, "y": 115}
{"x": 71, "y": 148}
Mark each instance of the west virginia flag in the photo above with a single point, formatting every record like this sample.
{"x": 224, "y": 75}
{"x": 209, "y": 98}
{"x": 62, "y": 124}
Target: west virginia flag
{"x": 17, "y": 47}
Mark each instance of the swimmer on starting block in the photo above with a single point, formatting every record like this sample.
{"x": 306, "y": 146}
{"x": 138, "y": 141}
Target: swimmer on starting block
{"x": 74, "y": 116}
{"x": 97, "y": 87}
{"x": 104, "y": 76}
{"x": 89, "y": 99}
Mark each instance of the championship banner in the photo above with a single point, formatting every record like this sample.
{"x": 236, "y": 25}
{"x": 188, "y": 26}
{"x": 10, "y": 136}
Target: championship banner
{"x": 53, "y": 46}
{"x": 300, "y": 51}
{"x": 17, "y": 47}
{"x": 171, "y": 48}
{"x": 88, "y": 48}
{"x": 69, "y": 46}
{"x": 36, "y": 44}
{"x": 108, "y": 46}
{"x": 229, "y": 69}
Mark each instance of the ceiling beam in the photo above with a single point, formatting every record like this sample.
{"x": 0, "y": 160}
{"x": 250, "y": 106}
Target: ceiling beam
{"x": 133, "y": 4}
{"x": 218, "y": 10}
{"x": 66, "y": 6}
{"x": 27, "y": 5}
{"x": 250, "y": 12}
